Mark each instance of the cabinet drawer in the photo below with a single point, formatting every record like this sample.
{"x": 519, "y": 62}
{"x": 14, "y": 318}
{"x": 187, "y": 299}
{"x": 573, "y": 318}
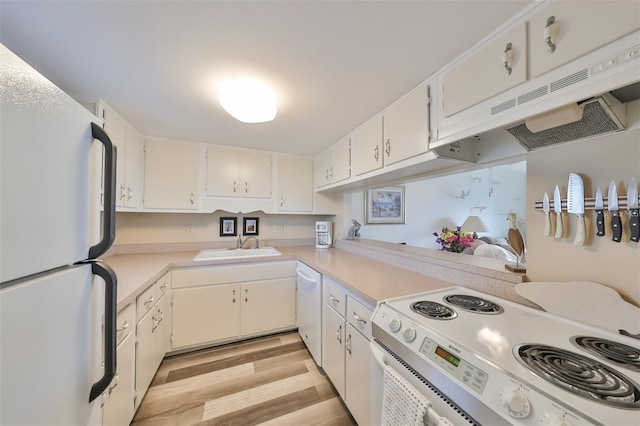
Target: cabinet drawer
{"x": 225, "y": 274}
{"x": 359, "y": 316}
{"x": 335, "y": 296}
{"x": 125, "y": 322}
{"x": 146, "y": 301}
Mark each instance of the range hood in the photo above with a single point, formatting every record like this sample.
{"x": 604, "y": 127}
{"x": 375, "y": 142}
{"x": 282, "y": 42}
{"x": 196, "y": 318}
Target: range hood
{"x": 594, "y": 116}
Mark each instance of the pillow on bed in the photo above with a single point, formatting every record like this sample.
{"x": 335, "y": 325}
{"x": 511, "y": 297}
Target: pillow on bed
{"x": 495, "y": 252}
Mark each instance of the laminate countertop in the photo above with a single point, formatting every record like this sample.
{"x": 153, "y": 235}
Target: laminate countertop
{"x": 368, "y": 279}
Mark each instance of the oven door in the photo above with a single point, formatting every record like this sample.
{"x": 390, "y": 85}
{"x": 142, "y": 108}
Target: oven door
{"x": 441, "y": 411}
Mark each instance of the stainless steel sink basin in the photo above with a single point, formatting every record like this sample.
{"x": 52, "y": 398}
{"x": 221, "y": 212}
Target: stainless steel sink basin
{"x": 216, "y": 254}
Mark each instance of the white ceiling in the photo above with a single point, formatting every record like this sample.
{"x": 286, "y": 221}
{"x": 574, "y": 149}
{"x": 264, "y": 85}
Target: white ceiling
{"x": 333, "y": 64}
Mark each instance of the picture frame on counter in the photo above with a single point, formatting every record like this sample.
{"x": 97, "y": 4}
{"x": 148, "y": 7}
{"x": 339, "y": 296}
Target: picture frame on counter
{"x": 250, "y": 225}
{"x": 228, "y": 226}
{"x": 384, "y": 205}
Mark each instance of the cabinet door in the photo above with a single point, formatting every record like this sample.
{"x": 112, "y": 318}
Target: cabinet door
{"x": 322, "y": 164}
{"x": 205, "y": 314}
{"x": 482, "y": 74}
{"x": 295, "y": 184}
{"x": 134, "y": 168}
{"x": 146, "y": 360}
{"x": 406, "y": 127}
{"x": 268, "y": 306}
{"x": 358, "y": 376}
{"x": 223, "y": 172}
{"x": 171, "y": 175}
{"x": 256, "y": 174}
{"x": 119, "y": 407}
{"x": 116, "y": 129}
{"x": 341, "y": 160}
{"x": 333, "y": 333}
{"x": 163, "y": 331}
{"x": 367, "y": 143}
{"x": 578, "y": 29}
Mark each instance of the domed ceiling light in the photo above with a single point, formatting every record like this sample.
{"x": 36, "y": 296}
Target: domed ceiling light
{"x": 247, "y": 100}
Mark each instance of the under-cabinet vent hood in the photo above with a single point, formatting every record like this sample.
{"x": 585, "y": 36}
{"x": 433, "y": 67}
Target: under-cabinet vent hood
{"x": 595, "y": 116}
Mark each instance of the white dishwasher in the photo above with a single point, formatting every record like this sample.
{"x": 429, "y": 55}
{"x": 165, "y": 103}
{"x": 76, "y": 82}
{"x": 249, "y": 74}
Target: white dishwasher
{"x": 309, "y": 309}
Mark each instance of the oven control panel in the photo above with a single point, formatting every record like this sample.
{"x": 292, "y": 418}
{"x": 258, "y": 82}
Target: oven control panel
{"x": 459, "y": 368}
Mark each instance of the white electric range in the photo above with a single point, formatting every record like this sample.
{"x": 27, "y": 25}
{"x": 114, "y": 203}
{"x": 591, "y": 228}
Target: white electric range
{"x": 494, "y": 362}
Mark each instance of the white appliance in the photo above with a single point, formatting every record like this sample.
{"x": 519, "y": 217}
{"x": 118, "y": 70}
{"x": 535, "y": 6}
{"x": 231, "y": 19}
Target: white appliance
{"x": 323, "y": 234}
{"x": 309, "y": 314}
{"x": 480, "y": 359}
{"x": 57, "y": 303}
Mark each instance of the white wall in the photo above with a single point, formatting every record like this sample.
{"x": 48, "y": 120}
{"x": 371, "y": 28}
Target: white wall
{"x": 433, "y": 203}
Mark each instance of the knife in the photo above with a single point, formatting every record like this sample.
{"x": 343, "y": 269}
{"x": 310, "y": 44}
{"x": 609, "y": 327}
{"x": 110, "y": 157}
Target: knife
{"x": 616, "y": 223}
{"x": 634, "y": 214}
{"x": 557, "y": 206}
{"x": 599, "y": 208}
{"x": 575, "y": 205}
{"x": 547, "y": 215}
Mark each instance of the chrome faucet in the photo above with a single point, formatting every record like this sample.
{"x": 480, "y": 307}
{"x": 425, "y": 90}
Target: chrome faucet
{"x": 240, "y": 243}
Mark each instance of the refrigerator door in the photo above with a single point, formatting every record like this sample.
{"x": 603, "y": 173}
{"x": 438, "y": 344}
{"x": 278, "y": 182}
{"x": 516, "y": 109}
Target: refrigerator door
{"x": 49, "y": 187}
{"x": 51, "y": 339}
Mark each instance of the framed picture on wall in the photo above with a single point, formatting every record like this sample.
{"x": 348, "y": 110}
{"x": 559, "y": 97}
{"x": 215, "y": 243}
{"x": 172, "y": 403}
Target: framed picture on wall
{"x": 250, "y": 225}
{"x": 228, "y": 226}
{"x": 384, "y": 205}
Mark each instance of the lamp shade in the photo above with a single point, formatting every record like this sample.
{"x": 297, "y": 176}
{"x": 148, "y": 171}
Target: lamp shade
{"x": 474, "y": 224}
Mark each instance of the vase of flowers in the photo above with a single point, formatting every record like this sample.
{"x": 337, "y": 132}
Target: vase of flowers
{"x": 454, "y": 240}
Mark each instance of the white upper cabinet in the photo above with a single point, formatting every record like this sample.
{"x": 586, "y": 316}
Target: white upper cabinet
{"x": 171, "y": 175}
{"x": 295, "y": 184}
{"x": 334, "y": 164}
{"x": 575, "y": 29}
{"x": 497, "y": 66}
{"x": 367, "y": 147}
{"x": 238, "y": 173}
{"x": 406, "y": 126}
{"x": 130, "y": 160}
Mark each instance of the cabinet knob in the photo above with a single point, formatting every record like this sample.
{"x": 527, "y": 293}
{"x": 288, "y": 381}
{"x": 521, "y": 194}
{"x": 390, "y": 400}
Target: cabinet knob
{"x": 551, "y": 34}
{"x": 507, "y": 58}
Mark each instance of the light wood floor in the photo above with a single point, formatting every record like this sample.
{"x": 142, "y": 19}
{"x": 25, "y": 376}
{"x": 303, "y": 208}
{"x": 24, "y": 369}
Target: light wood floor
{"x": 266, "y": 381}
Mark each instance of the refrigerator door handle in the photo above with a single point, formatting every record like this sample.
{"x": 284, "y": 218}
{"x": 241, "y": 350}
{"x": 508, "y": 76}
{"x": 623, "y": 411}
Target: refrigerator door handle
{"x": 110, "y": 307}
{"x": 109, "y": 219}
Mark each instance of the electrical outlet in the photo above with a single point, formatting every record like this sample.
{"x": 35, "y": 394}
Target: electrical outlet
{"x": 189, "y": 229}
{"x": 278, "y": 228}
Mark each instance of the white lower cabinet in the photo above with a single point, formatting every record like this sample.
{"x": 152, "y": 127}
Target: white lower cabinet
{"x": 221, "y": 303}
{"x": 346, "y": 332}
{"x": 119, "y": 407}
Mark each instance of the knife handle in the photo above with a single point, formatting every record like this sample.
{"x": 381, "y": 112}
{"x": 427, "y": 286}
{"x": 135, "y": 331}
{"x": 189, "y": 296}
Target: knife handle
{"x": 547, "y": 224}
{"x": 634, "y": 224}
{"x": 600, "y": 223}
{"x": 581, "y": 232}
{"x": 616, "y": 226}
{"x": 559, "y": 230}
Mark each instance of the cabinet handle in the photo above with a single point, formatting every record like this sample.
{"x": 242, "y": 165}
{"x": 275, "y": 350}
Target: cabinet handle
{"x": 333, "y": 299}
{"x": 155, "y": 323}
{"x": 376, "y": 153}
{"x": 551, "y": 33}
{"x": 387, "y": 147}
{"x": 114, "y": 383}
{"x": 326, "y": 174}
{"x": 339, "y": 334}
{"x": 281, "y": 201}
{"x": 149, "y": 300}
{"x": 129, "y": 193}
{"x": 163, "y": 286}
{"x": 191, "y": 198}
{"x": 359, "y": 318}
{"x": 331, "y": 172}
{"x": 507, "y": 58}
{"x": 122, "y": 192}
{"x": 235, "y": 186}
{"x": 234, "y": 296}
{"x": 161, "y": 316}
{"x": 347, "y": 343}
{"x": 246, "y": 294}
{"x": 246, "y": 187}
{"x": 124, "y": 327}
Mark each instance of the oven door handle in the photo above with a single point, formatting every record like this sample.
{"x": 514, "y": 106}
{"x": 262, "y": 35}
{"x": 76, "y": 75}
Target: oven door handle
{"x": 378, "y": 355}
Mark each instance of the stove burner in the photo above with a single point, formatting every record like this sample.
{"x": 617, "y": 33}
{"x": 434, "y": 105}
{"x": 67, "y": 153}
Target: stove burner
{"x": 473, "y": 304}
{"x": 580, "y": 375}
{"x": 433, "y": 310}
{"x": 616, "y": 352}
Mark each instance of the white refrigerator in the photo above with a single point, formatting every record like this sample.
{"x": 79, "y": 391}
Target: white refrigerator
{"x": 57, "y": 301}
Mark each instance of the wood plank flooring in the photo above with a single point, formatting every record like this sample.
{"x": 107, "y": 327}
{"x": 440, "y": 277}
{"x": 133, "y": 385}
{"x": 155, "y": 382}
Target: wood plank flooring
{"x": 266, "y": 381}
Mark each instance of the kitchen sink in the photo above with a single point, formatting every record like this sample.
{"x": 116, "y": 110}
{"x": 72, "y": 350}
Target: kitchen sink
{"x": 214, "y": 254}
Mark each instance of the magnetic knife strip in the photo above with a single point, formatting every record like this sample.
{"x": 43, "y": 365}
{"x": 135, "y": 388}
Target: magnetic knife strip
{"x": 589, "y": 203}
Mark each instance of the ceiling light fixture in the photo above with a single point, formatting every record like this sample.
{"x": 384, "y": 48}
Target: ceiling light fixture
{"x": 247, "y": 100}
